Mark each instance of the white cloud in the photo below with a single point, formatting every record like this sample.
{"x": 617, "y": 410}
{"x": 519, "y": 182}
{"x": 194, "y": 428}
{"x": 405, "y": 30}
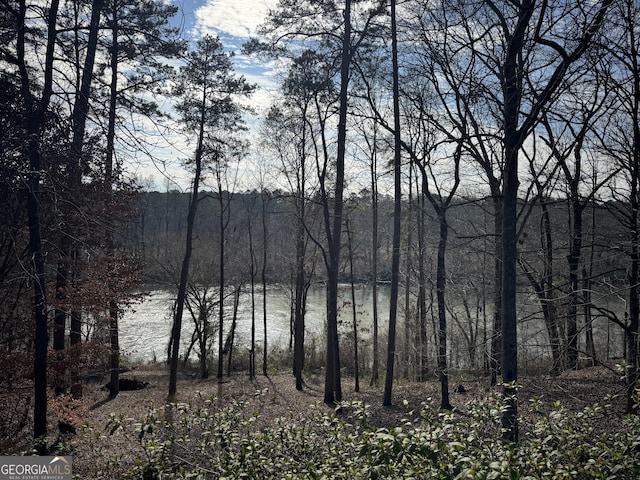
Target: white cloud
{"x": 239, "y": 18}
{"x": 234, "y": 21}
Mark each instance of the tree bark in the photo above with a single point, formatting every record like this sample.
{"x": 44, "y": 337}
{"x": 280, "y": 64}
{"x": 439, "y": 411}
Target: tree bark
{"x": 495, "y": 359}
{"x": 441, "y": 280}
{"x": 234, "y": 321}
{"x": 184, "y": 271}
{"x": 221, "y": 281}
{"x": 333, "y": 386}
{"x": 34, "y": 119}
{"x": 397, "y": 216}
{"x": 575, "y": 252}
{"x": 375, "y": 368}
{"x": 114, "y": 357}
{"x": 633, "y": 329}
{"x": 252, "y": 347}
{"x": 264, "y": 284}
{"x": 423, "y": 359}
{"x": 354, "y": 310}
{"x": 299, "y": 307}
{"x": 301, "y": 280}
{"x": 408, "y": 267}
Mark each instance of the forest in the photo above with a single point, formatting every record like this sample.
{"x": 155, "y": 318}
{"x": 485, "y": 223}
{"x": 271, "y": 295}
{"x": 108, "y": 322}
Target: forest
{"x": 478, "y": 158}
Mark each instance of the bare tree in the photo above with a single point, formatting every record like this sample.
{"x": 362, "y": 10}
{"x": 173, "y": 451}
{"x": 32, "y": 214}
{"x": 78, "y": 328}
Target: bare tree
{"x": 543, "y": 281}
{"x": 572, "y": 138}
{"x": 317, "y": 24}
{"x": 139, "y": 35}
{"x": 208, "y": 108}
{"x": 288, "y": 133}
{"x": 79, "y": 115}
{"x": 264, "y": 199}
{"x": 201, "y": 304}
{"x": 521, "y": 35}
{"x": 529, "y": 17}
{"x": 369, "y": 130}
{"x": 397, "y": 213}
{"x": 623, "y": 145}
{"x": 464, "y": 93}
{"x": 354, "y": 310}
{"x": 35, "y": 108}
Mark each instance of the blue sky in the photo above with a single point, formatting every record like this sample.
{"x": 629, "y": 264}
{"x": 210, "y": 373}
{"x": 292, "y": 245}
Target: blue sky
{"x": 238, "y": 18}
{"x": 234, "y": 21}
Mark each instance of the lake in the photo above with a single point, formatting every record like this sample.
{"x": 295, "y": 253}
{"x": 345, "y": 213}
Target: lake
{"x": 144, "y": 331}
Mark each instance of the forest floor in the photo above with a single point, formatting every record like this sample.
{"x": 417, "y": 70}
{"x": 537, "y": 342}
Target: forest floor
{"x": 99, "y": 455}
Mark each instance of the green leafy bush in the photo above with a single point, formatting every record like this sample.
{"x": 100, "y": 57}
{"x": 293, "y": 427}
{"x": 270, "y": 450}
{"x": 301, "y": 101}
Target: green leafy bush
{"x": 200, "y": 440}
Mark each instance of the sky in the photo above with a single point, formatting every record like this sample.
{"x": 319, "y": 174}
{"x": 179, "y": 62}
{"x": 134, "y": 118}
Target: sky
{"x": 238, "y": 18}
{"x": 234, "y": 21}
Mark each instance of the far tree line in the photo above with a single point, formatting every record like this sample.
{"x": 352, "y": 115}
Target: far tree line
{"x": 509, "y": 131}
{"x": 158, "y": 234}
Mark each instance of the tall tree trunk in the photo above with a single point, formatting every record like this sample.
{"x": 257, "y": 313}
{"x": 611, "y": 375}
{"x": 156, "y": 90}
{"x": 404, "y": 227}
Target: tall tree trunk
{"x": 514, "y": 134}
{"x": 587, "y": 279}
{"x": 375, "y": 368}
{"x": 354, "y": 310}
{"x": 184, "y": 271}
{"x": 264, "y": 284}
{"x": 633, "y": 355}
{"x": 633, "y": 328}
{"x": 252, "y": 348}
{"x": 441, "y": 281}
{"x": 588, "y": 317}
{"x": 397, "y": 213}
{"x": 299, "y": 301}
{"x": 299, "y": 310}
{"x": 549, "y": 305}
{"x": 234, "y": 321}
{"x": 39, "y": 301}
{"x": 495, "y": 358}
{"x": 79, "y": 118}
{"x": 202, "y": 335}
{"x": 512, "y": 76}
{"x": 408, "y": 324}
{"x": 423, "y": 360}
{"x": 333, "y": 385}
{"x": 509, "y": 364}
{"x": 575, "y": 251}
{"x": 221, "y": 280}
{"x": 114, "y": 357}
{"x": 34, "y": 118}
{"x": 63, "y": 271}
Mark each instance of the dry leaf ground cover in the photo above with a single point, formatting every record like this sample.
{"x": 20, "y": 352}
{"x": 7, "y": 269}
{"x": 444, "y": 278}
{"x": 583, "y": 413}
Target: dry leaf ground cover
{"x": 98, "y": 454}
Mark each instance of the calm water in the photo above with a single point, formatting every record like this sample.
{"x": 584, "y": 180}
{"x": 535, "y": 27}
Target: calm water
{"x": 144, "y": 331}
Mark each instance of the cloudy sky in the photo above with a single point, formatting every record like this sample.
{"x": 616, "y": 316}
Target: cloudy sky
{"x": 234, "y": 21}
{"x": 238, "y": 18}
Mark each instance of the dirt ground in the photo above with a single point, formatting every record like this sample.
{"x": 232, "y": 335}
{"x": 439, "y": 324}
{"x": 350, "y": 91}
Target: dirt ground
{"x": 96, "y": 454}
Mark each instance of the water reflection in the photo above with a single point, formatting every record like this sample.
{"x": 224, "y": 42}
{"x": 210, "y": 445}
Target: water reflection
{"x": 144, "y": 331}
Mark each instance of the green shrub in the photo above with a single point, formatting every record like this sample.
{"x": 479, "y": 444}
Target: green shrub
{"x": 201, "y": 440}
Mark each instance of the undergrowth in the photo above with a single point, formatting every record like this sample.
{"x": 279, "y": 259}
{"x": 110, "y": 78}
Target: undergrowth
{"x": 199, "y": 440}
